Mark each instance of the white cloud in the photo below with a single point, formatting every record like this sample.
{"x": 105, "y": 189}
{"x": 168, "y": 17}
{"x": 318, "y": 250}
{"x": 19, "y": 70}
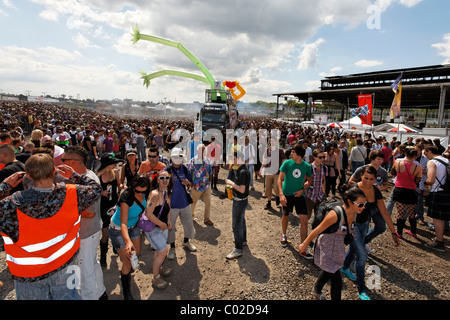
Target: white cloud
{"x": 444, "y": 48}
{"x": 410, "y": 3}
{"x": 368, "y": 63}
{"x": 83, "y": 42}
{"x": 8, "y": 4}
{"x": 308, "y": 57}
{"x": 51, "y": 15}
{"x": 248, "y": 41}
{"x": 313, "y": 85}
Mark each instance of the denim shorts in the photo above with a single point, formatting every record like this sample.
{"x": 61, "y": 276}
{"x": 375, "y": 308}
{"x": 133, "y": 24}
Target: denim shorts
{"x": 157, "y": 238}
{"x": 117, "y": 239}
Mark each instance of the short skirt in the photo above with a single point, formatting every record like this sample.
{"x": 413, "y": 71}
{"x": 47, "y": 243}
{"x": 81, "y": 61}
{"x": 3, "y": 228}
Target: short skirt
{"x": 439, "y": 206}
{"x": 404, "y": 195}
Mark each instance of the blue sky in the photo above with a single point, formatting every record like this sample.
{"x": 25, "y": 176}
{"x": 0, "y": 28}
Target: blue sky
{"x": 83, "y": 47}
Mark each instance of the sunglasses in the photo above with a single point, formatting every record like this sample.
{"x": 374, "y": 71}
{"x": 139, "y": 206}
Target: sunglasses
{"x": 150, "y": 156}
{"x": 360, "y": 205}
{"x": 140, "y": 192}
{"x": 64, "y": 160}
{"x": 320, "y": 157}
{"x": 164, "y": 178}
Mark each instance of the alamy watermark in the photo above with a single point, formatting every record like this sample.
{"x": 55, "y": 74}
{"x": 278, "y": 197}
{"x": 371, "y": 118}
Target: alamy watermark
{"x": 374, "y": 19}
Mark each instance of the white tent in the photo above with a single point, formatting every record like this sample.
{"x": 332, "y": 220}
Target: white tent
{"x": 354, "y": 123}
{"x": 389, "y": 126}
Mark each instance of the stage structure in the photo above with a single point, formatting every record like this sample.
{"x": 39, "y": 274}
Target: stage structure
{"x": 423, "y": 88}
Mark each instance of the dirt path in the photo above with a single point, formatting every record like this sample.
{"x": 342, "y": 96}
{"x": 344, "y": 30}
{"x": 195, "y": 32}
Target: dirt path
{"x": 266, "y": 271}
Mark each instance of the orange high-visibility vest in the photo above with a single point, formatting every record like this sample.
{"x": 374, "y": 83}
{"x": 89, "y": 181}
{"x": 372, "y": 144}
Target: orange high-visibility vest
{"x": 46, "y": 244}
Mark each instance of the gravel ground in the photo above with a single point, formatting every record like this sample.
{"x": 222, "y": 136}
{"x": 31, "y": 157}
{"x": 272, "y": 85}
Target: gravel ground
{"x": 266, "y": 271}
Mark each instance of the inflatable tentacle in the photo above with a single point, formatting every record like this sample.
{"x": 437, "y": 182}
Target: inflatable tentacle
{"x": 148, "y": 77}
{"x": 210, "y": 79}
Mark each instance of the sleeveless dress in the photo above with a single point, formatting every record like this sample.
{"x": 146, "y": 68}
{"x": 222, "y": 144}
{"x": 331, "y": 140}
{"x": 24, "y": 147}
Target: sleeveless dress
{"x": 329, "y": 250}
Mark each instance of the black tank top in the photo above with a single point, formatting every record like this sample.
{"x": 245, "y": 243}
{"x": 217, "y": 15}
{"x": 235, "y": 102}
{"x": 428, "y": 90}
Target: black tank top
{"x": 164, "y": 213}
{"x": 112, "y": 199}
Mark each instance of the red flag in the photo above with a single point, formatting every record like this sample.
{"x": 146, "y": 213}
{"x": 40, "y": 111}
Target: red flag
{"x": 365, "y": 105}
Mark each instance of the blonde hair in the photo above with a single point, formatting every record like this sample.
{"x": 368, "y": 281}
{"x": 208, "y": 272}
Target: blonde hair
{"x": 37, "y": 134}
{"x": 40, "y": 166}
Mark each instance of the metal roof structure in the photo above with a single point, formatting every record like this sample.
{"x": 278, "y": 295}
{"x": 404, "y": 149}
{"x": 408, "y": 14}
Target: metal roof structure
{"x": 422, "y": 87}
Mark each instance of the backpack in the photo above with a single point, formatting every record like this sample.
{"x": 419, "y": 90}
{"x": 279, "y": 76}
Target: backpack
{"x": 322, "y": 210}
{"x": 445, "y": 184}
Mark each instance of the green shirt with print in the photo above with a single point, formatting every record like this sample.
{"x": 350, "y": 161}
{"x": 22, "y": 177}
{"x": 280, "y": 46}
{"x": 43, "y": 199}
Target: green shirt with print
{"x": 294, "y": 177}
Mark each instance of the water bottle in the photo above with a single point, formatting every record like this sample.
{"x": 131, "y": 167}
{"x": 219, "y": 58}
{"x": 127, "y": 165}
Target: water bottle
{"x": 134, "y": 261}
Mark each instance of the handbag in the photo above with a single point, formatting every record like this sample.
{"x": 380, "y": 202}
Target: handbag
{"x": 144, "y": 223}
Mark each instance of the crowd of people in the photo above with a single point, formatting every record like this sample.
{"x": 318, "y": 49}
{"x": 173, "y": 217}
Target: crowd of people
{"x": 73, "y": 181}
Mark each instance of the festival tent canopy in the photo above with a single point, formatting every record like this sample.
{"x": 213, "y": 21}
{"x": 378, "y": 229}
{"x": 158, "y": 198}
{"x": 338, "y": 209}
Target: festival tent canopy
{"x": 400, "y": 130}
{"x": 389, "y": 126}
{"x": 354, "y": 123}
{"x": 334, "y": 125}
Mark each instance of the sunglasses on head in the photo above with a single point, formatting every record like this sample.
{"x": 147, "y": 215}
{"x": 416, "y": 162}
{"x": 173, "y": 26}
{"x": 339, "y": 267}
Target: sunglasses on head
{"x": 360, "y": 205}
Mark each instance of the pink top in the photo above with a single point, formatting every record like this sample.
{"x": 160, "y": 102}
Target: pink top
{"x": 406, "y": 179}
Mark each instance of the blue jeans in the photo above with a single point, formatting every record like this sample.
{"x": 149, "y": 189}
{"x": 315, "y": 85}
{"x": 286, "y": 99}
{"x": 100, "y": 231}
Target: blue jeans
{"x": 142, "y": 156}
{"x": 251, "y": 169}
{"x": 390, "y": 204}
{"x": 357, "y": 252}
{"x": 91, "y": 162}
{"x": 419, "y": 208}
{"x": 238, "y": 223}
{"x": 59, "y": 286}
{"x": 378, "y": 228}
{"x": 356, "y": 165}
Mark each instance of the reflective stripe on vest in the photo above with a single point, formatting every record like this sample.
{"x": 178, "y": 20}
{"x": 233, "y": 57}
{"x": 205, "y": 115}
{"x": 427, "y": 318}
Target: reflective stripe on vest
{"x": 46, "y": 244}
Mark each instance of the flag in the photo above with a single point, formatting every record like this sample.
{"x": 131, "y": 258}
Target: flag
{"x": 395, "y": 107}
{"x": 365, "y": 108}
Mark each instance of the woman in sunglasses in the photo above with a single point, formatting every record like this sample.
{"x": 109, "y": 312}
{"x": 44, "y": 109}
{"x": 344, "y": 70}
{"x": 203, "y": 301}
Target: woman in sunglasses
{"x": 123, "y": 230}
{"x": 158, "y": 211}
{"x": 329, "y": 250}
{"x": 357, "y": 251}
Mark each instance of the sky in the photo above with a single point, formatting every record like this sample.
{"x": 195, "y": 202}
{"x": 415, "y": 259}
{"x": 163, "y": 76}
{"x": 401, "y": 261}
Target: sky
{"x": 83, "y": 48}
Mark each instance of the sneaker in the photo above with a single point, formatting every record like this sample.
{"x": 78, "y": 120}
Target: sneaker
{"x": 436, "y": 245}
{"x": 318, "y": 296}
{"x": 369, "y": 251}
{"x": 430, "y": 226}
{"x": 209, "y": 223}
{"x": 165, "y": 271}
{"x": 159, "y": 282}
{"x": 189, "y": 246}
{"x": 284, "y": 241}
{"x": 306, "y": 255}
{"x": 411, "y": 234}
{"x": 348, "y": 273}
{"x": 234, "y": 254}
{"x": 171, "y": 254}
{"x": 268, "y": 206}
{"x": 363, "y": 296}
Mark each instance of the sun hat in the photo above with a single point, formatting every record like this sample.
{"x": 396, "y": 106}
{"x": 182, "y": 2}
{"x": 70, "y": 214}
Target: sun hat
{"x": 108, "y": 159}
